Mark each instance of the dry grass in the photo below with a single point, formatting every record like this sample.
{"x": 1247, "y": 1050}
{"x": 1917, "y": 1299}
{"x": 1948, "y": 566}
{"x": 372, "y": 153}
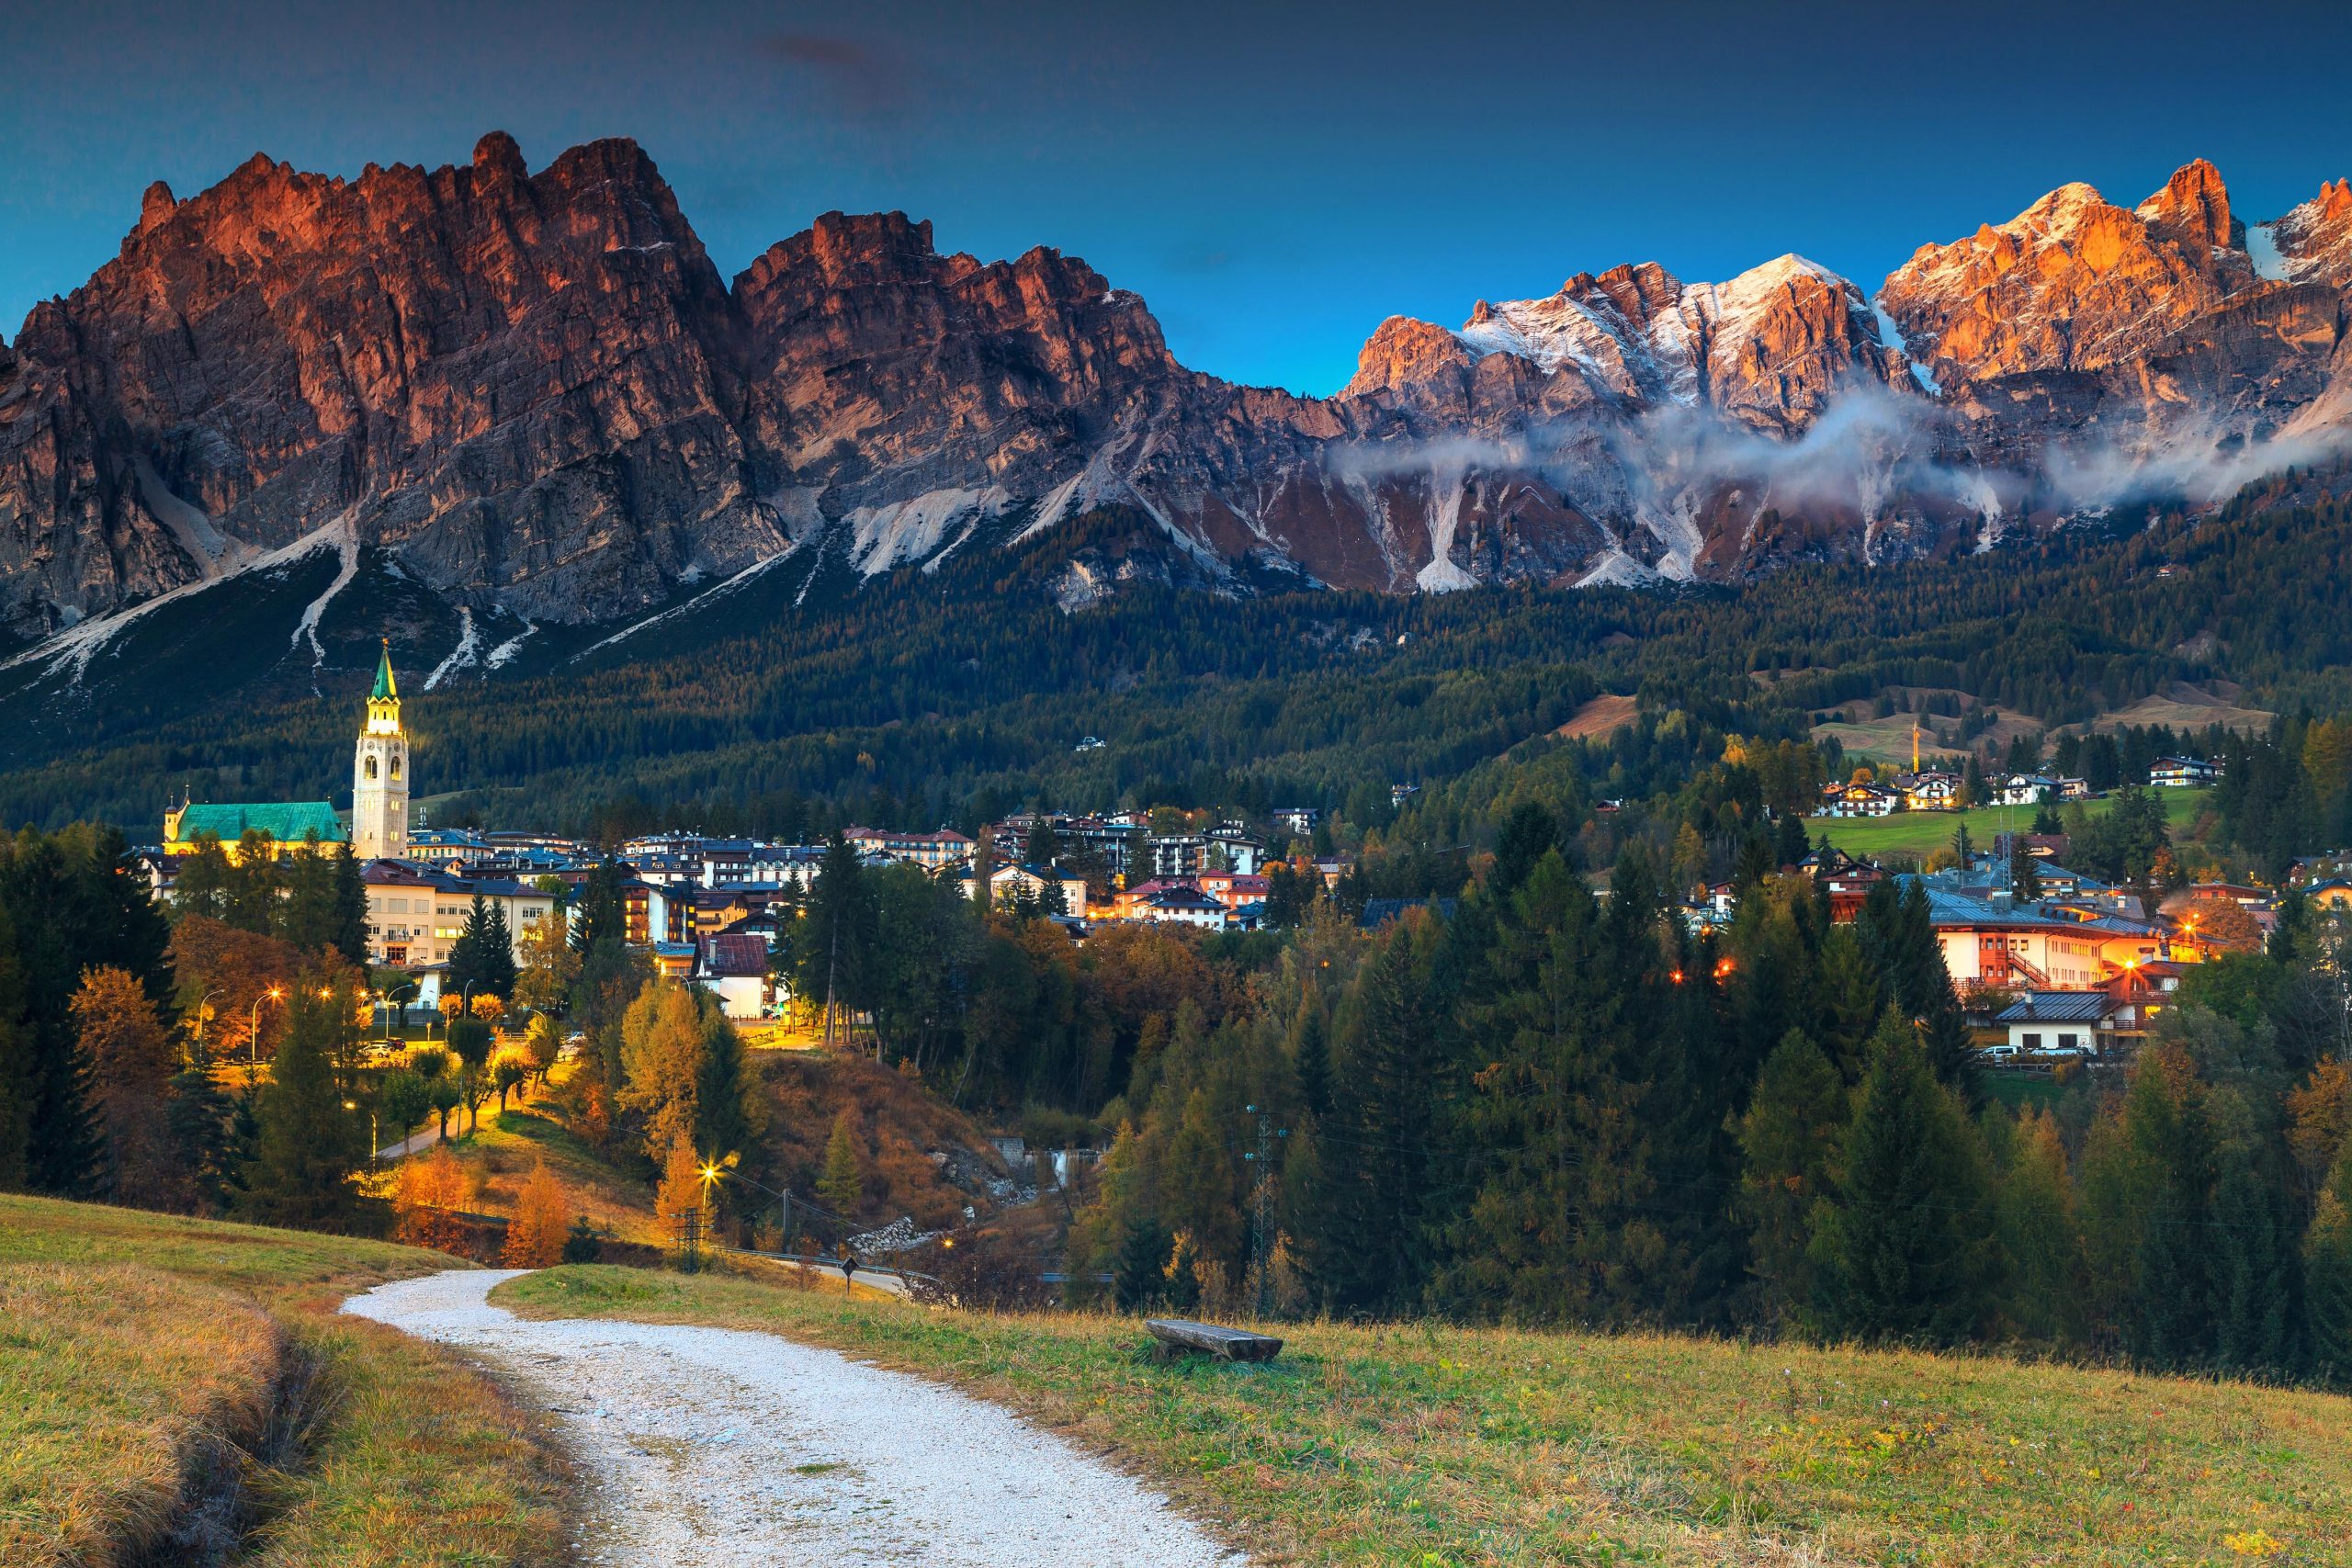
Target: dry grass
{"x": 1604, "y": 714}
{"x": 126, "y": 1337}
{"x": 1431, "y": 1446}
{"x": 119, "y": 1388}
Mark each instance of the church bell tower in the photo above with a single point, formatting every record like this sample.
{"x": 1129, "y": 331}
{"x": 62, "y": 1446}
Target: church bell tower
{"x": 380, "y": 774}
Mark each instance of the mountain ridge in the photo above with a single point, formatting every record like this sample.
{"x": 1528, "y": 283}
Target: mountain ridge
{"x": 538, "y": 397}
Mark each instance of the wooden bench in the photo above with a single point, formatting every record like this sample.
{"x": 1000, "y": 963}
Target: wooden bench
{"x": 1178, "y": 1337}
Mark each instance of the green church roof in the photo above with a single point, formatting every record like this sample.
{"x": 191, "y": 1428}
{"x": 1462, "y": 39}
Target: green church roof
{"x": 289, "y": 822}
{"x": 385, "y": 691}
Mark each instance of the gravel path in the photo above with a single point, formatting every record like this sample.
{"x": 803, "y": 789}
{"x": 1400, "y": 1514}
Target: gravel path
{"x": 709, "y": 1446}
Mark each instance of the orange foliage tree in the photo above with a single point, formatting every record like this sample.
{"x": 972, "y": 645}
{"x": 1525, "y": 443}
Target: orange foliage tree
{"x": 542, "y": 1215}
{"x": 426, "y": 1197}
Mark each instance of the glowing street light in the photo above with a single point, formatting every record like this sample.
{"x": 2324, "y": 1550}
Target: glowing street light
{"x": 253, "y": 1027}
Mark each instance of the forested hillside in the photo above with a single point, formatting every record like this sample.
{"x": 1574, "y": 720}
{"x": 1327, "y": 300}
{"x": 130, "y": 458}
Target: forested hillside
{"x": 935, "y": 696}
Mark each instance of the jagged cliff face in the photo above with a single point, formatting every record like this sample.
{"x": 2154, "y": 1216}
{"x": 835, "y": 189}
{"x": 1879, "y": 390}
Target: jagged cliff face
{"x": 535, "y": 396}
{"x": 517, "y": 383}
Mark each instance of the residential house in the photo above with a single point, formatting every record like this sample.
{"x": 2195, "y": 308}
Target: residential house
{"x": 1296, "y": 820}
{"x": 2182, "y": 773}
{"x": 733, "y": 966}
{"x": 1008, "y": 882}
{"x": 2063, "y": 1020}
{"x": 1861, "y": 799}
{"x": 2026, "y": 789}
{"x": 1183, "y": 905}
{"x": 1929, "y": 791}
{"x": 1233, "y": 888}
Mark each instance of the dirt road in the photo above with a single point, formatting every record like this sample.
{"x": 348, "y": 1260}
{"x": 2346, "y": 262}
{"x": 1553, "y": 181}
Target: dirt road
{"x": 716, "y": 1446}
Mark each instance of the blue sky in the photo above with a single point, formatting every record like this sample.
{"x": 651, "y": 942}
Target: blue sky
{"x": 1274, "y": 180}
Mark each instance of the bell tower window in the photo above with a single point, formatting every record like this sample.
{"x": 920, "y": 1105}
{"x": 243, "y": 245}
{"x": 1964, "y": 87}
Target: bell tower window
{"x": 396, "y": 767}
{"x": 372, "y": 767}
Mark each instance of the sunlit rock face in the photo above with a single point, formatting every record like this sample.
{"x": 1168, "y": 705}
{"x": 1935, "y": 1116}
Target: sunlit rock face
{"x": 533, "y": 391}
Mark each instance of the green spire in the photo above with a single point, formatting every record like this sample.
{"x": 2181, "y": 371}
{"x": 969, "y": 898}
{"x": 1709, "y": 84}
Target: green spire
{"x": 385, "y": 691}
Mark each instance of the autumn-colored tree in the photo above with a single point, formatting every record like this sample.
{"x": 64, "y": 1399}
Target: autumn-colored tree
{"x": 221, "y": 970}
{"x": 132, "y": 1062}
{"x": 427, "y": 1195}
{"x": 549, "y": 966}
{"x": 535, "y": 1234}
{"x": 542, "y": 1044}
{"x": 2225, "y": 924}
{"x": 509, "y": 1071}
{"x": 489, "y": 1009}
{"x": 843, "y": 1185}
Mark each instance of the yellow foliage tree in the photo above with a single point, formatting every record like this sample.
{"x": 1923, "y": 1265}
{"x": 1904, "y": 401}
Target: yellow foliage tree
{"x": 542, "y": 1216}
{"x": 489, "y": 1009}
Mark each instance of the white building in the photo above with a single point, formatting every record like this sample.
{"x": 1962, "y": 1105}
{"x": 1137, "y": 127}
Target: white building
{"x": 380, "y": 774}
{"x": 415, "y": 916}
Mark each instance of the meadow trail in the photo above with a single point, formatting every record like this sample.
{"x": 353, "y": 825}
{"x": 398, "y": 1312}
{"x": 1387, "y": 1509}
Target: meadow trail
{"x": 718, "y": 1447}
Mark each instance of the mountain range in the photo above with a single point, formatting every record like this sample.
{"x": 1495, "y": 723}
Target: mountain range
{"x": 531, "y": 401}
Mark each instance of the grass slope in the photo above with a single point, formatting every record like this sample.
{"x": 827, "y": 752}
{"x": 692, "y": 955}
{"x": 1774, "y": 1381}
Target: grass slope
{"x": 1921, "y": 832}
{"x": 1425, "y": 1445}
{"x": 133, "y": 1342}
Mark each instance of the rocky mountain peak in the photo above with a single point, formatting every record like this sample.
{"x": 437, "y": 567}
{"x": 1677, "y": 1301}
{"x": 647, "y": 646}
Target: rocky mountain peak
{"x": 2072, "y": 283}
{"x": 2192, "y": 211}
{"x": 2313, "y": 244}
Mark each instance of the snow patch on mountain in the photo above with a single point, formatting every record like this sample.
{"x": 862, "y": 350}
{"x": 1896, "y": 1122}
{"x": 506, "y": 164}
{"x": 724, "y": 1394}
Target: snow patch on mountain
{"x": 459, "y": 656}
{"x": 2262, "y": 249}
{"x": 882, "y": 537}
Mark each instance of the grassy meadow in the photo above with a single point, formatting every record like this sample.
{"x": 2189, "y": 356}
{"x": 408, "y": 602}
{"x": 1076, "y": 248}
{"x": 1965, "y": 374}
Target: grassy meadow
{"x": 141, "y": 1353}
{"x": 1431, "y": 1446}
{"x": 1921, "y": 832}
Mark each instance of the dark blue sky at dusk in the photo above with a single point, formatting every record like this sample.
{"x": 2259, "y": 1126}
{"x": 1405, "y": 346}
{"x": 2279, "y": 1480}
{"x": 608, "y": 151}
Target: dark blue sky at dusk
{"x": 1274, "y": 180}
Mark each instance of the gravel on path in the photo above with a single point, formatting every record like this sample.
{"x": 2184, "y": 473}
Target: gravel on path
{"x": 717, "y": 1447}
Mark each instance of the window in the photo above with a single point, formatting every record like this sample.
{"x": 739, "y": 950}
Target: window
{"x": 396, "y": 765}
{"x": 367, "y": 768}
{"x": 2033, "y": 1042}
{"x": 2069, "y": 1042}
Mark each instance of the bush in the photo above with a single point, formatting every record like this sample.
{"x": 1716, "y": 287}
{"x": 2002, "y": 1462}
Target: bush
{"x": 982, "y": 1271}
{"x": 582, "y": 1245}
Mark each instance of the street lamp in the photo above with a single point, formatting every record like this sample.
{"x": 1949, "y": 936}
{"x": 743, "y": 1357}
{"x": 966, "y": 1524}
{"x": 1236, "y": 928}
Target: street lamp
{"x": 354, "y": 1105}
{"x": 252, "y": 1028}
{"x": 201, "y": 1015}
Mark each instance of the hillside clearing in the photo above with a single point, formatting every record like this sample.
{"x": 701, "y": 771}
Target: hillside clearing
{"x": 1602, "y": 716}
{"x": 147, "y": 1335}
{"x": 1922, "y": 832}
{"x": 1420, "y": 1444}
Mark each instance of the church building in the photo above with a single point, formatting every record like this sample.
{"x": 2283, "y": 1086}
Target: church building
{"x": 379, "y": 773}
{"x": 379, "y": 827}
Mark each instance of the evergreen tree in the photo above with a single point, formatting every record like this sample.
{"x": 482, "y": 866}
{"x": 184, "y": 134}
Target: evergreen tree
{"x": 308, "y": 1146}
{"x": 1311, "y": 1055}
{"x": 201, "y": 887}
{"x": 306, "y": 914}
{"x": 495, "y": 958}
{"x": 249, "y": 899}
{"x": 2173, "y": 1319}
{"x": 18, "y": 1072}
{"x": 1904, "y": 1249}
{"x": 346, "y": 927}
{"x": 2253, "y": 1266}
{"x": 2045, "y": 1292}
{"x": 2327, "y": 1276}
{"x": 1526, "y": 836}
{"x": 45, "y": 907}
{"x": 842, "y": 1183}
{"x": 601, "y": 918}
{"x": 1139, "y": 1273}
{"x": 1370, "y": 1243}
{"x": 834, "y": 942}
{"x": 468, "y": 968}
{"x": 200, "y": 1117}
{"x": 1788, "y": 1140}
{"x": 1851, "y": 997}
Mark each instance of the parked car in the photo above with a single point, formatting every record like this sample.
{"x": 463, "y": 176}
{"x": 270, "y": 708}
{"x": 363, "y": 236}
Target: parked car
{"x": 2000, "y": 1053}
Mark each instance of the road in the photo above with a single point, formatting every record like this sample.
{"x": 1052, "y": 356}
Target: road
{"x": 718, "y": 1448}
